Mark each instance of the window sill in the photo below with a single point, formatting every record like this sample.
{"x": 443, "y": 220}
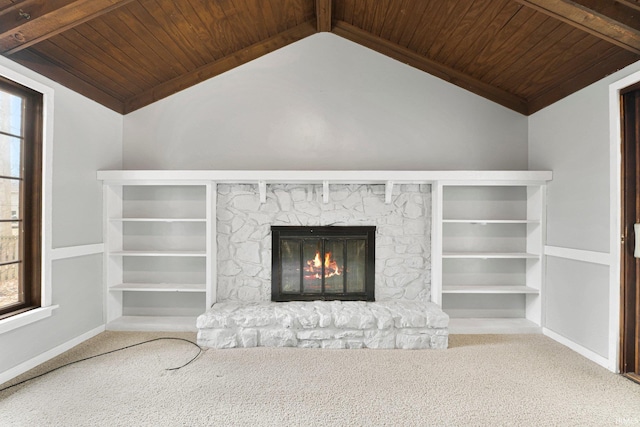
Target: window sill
{"x": 23, "y": 319}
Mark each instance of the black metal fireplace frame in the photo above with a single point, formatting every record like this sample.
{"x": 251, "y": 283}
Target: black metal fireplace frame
{"x": 301, "y": 232}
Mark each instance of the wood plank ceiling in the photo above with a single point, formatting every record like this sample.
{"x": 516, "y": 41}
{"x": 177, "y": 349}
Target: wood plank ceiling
{"x": 126, "y": 54}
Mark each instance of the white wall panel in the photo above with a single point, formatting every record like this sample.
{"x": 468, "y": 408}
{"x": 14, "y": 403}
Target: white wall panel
{"x": 78, "y": 290}
{"x": 577, "y": 302}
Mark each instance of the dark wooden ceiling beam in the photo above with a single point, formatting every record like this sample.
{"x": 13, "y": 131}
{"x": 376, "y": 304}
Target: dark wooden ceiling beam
{"x": 615, "y": 27}
{"x": 220, "y": 66}
{"x": 614, "y": 10}
{"x": 32, "y": 21}
{"x": 630, "y": 4}
{"x": 415, "y": 60}
{"x": 323, "y": 15}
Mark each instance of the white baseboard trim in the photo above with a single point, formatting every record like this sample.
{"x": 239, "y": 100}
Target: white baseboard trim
{"x": 47, "y": 355}
{"x": 594, "y": 357}
{"x": 578, "y": 255}
{"x": 76, "y": 251}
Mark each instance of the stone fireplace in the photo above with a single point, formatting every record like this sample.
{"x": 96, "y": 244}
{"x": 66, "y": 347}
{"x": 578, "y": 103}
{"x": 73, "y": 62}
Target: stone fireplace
{"x": 391, "y": 311}
{"x": 402, "y": 235}
{"x": 323, "y": 263}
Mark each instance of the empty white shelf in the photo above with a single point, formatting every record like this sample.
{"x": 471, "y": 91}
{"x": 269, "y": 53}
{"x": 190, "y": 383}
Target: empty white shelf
{"x": 490, "y": 221}
{"x": 153, "y": 323}
{"x": 160, "y": 253}
{"x": 488, "y": 289}
{"x": 493, "y": 326}
{"x": 159, "y": 287}
{"x": 487, "y": 255}
{"x": 158, "y": 219}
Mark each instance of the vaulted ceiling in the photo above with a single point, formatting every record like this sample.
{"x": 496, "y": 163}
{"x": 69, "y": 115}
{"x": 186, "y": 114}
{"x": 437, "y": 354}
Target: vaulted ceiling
{"x": 126, "y": 54}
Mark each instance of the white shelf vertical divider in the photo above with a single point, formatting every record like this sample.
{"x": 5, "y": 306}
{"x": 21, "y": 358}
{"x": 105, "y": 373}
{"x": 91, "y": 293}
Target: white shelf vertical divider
{"x": 113, "y": 203}
{"x": 536, "y": 235}
{"x": 212, "y": 245}
{"x": 436, "y": 242}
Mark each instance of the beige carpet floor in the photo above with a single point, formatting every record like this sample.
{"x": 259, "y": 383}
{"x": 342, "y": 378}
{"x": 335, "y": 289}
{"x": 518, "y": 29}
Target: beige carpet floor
{"x": 481, "y": 380}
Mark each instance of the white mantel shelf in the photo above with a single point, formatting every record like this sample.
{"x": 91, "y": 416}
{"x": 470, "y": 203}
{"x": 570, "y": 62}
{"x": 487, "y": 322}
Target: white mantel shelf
{"x": 488, "y": 177}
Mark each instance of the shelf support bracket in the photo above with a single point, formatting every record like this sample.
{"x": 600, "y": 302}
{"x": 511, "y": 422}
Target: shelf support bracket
{"x": 262, "y": 188}
{"x": 325, "y": 192}
{"x": 388, "y": 191}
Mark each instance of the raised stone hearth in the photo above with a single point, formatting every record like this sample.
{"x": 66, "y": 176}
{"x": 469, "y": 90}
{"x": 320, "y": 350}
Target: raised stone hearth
{"x": 325, "y": 324}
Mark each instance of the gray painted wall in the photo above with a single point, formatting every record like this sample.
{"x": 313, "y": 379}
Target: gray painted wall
{"x": 572, "y": 138}
{"x": 325, "y": 103}
{"x": 87, "y": 137}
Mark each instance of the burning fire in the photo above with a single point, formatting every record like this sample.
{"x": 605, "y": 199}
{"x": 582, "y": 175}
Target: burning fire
{"x": 313, "y": 270}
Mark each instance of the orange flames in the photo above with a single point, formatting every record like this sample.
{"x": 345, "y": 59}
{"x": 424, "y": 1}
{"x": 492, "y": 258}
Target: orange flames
{"x": 313, "y": 270}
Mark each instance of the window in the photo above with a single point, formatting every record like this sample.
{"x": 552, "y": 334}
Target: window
{"x": 20, "y": 198}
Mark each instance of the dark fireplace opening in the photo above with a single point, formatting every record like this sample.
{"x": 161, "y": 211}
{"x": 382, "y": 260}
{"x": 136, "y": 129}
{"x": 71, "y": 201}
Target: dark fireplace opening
{"x": 323, "y": 263}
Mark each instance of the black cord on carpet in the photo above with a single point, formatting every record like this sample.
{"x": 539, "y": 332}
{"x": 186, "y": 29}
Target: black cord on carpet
{"x": 113, "y": 351}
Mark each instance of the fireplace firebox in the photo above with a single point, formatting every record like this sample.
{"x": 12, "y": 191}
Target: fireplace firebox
{"x": 323, "y": 263}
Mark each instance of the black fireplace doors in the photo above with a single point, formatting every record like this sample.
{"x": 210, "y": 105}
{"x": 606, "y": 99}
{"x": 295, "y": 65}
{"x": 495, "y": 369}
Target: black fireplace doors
{"x": 323, "y": 263}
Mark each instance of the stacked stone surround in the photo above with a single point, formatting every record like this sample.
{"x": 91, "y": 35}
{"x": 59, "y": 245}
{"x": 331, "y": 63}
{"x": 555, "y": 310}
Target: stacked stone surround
{"x": 325, "y": 324}
{"x": 403, "y": 269}
{"x": 402, "y": 316}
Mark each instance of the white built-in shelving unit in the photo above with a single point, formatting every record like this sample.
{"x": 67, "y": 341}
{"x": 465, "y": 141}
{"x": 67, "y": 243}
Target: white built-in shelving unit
{"x": 487, "y": 234}
{"x": 159, "y": 240}
{"x": 489, "y": 257}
